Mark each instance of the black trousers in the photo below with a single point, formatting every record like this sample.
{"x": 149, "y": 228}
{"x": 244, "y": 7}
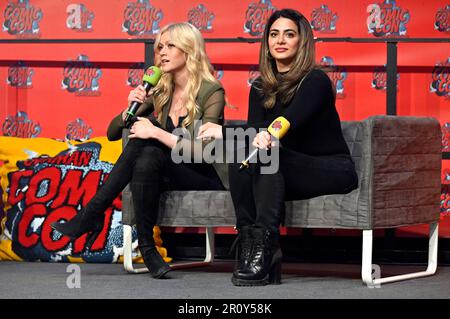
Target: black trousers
{"x": 259, "y": 199}
{"x": 148, "y": 167}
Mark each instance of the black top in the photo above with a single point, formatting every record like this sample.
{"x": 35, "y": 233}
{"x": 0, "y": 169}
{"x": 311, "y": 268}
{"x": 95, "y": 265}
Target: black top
{"x": 169, "y": 125}
{"x": 315, "y": 125}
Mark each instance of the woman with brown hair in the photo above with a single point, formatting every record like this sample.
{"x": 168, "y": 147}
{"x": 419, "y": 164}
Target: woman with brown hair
{"x": 313, "y": 157}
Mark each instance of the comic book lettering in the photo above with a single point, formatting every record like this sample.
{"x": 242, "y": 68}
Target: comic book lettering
{"x": 81, "y": 77}
{"x": 391, "y": 20}
{"x": 323, "y": 19}
{"x": 337, "y": 75}
{"x": 442, "y": 23}
{"x": 201, "y": 18}
{"x": 140, "y": 18}
{"x": 379, "y": 78}
{"x": 20, "y": 76}
{"x": 135, "y": 74}
{"x": 78, "y": 130}
{"x": 48, "y": 189}
{"x": 253, "y": 74}
{"x": 20, "y": 126}
{"x": 22, "y": 19}
{"x": 256, "y": 16}
{"x": 440, "y": 84}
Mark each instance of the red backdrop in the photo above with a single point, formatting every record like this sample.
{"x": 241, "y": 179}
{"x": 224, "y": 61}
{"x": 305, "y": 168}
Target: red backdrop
{"x": 55, "y": 90}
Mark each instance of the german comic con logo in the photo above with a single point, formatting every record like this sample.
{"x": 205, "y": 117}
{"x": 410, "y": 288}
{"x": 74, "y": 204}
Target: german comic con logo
{"x": 201, "y": 18}
{"x": 218, "y": 72}
{"x": 256, "y": 16}
{"x": 337, "y": 75}
{"x": 20, "y": 126}
{"x": 20, "y": 76}
{"x": 442, "y": 23}
{"x": 79, "y": 18}
{"x": 135, "y": 74}
{"x": 47, "y": 189}
{"x": 440, "y": 84}
{"x": 22, "y": 19}
{"x": 387, "y": 19}
{"x": 379, "y": 78}
{"x": 81, "y": 77}
{"x": 446, "y": 137}
{"x": 141, "y": 19}
{"x": 78, "y": 130}
{"x": 253, "y": 74}
{"x": 445, "y": 193}
{"x": 323, "y": 19}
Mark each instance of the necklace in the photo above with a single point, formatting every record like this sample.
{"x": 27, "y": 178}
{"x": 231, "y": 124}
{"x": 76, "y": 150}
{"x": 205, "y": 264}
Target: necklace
{"x": 177, "y": 107}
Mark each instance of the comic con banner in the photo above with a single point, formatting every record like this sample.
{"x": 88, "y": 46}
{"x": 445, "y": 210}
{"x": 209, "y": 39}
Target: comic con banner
{"x": 72, "y": 90}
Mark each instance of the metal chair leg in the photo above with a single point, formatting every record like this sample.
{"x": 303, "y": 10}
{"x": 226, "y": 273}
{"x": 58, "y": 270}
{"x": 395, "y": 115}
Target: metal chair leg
{"x": 128, "y": 259}
{"x": 366, "y": 271}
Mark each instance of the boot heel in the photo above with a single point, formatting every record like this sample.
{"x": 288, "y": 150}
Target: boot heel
{"x": 156, "y": 265}
{"x": 275, "y": 274}
{"x": 91, "y": 237}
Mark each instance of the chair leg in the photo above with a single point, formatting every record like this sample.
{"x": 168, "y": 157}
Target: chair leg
{"x": 366, "y": 270}
{"x": 209, "y": 257}
{"x": 128, "y": 259}
{"x": 127, "y": 252}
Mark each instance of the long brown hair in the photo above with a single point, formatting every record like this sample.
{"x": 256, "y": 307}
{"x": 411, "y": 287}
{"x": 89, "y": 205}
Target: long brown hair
{"x": 285, "y": 86}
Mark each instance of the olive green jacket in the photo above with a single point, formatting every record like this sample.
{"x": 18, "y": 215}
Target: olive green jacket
{"x": 209, "y": 111}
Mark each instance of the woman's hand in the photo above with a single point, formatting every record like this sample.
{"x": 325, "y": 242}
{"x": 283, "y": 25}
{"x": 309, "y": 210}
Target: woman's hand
{"x": 210, "y": 130}
{"x": 144, "y": 129}
{"x": 263, "y": 140}
{"x": 136, "y": 95}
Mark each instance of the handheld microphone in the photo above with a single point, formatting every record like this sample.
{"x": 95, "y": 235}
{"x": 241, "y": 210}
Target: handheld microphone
{"x": 149, "y": 80}
{"x": 278, "y": 128}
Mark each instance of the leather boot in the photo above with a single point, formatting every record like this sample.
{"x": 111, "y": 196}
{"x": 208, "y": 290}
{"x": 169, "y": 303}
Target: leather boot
{"x": 245, "y": 244}
{"x": 156, "y": 265}
{"x": 264, "y": 263}
{"x": 81, "y": 224}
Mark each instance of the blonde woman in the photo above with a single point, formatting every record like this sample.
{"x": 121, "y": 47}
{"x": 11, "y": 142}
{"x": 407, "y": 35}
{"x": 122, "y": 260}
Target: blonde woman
{"x": 187, "y": 94}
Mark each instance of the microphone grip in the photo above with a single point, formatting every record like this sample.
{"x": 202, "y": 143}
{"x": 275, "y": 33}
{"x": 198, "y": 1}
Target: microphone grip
{"x": 278, "y": 128}
{"x": 131, "y": 112}
{"x": 244, "y": 164}
{"x": 134, "y": 107}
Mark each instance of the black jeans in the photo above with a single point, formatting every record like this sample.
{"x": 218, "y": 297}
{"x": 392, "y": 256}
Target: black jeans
{"x": 147, "y": 166}
{"x": 258, "y": 199}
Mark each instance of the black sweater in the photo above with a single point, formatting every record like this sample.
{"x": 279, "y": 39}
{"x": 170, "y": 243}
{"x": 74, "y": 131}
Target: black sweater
{"x": 315, "y": 125}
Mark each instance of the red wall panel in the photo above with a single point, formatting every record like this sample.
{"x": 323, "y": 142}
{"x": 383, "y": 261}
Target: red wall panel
{"x": 33, "y": 82}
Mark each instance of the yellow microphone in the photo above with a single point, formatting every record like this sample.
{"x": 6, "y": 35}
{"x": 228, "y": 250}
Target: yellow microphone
{"x": 278, "y": 128}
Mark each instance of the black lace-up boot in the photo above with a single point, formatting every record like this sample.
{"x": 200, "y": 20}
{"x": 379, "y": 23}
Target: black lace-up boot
{"x": 264, "y": 263}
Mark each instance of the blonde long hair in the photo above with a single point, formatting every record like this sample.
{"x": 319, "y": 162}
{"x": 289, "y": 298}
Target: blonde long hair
{"x": 188, "y": 39}
{"x": 285, "y": 86}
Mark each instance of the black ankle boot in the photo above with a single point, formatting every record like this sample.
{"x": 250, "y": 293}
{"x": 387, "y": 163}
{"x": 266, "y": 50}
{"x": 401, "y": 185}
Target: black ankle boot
{"x": 245, "y": 245}
{"x": 81, "y": 224}
{"x": 264, "y": 263}
{"x": 156, "y": 265}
